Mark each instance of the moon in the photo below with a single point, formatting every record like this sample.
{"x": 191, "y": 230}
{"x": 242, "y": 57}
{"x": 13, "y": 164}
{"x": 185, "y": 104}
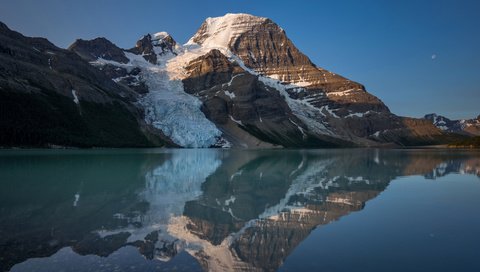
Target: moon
{"x": 434, "y": 56}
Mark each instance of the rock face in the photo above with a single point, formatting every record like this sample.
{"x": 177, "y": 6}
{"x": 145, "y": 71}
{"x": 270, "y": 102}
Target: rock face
{"x": 98, "y": 48}
{"x": 264, "y": 47}
{"x": 464, "y": 126}
{"x": 102, "y": 49}
{"x": 233, "y": 98}
{"x": 50, "y": 96}
{"x": 150, "y": 46}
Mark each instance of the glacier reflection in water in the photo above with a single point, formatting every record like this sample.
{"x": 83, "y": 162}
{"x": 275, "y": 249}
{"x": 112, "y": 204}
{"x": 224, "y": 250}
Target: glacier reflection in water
{"x": 208, "y": 209}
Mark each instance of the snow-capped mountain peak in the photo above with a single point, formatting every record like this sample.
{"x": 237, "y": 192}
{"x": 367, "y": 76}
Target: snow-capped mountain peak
{"x": 463, "y": 126}
{"x": 160, "y": 35}
{"x": 165, "y": 41}
{"x": 241, "y": 82}
{"x": 220, "y": 32}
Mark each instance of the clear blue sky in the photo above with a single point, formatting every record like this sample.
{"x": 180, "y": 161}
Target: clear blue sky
{"x": 385, "y": 45}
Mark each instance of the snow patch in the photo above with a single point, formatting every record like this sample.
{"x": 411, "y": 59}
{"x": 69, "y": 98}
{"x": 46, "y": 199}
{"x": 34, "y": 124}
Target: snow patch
{"x": 330, "y": 111}
{"x": 229, "y": 94}
{"x": 342, "y": 200}
{"x": 160, "y": 35}
{"x": 302, "y": 83}
{"x": 342, "y": 93}
{"x": 231, "y": 80}
{"x": 75, "y": 97}
{"x": 75, "y": 201}
{"x": 299, "y": 127}
{"x": 306, "y": 112}
{"x": 236, "y": 121}
{"x": 356, "y": 114}
{"x": 229, "y": 201}
{"x": 221, "y": 31}
{"x": 359, "y": 114}
{"x": 238, "y": 173}
{"x": 442, "y": 127}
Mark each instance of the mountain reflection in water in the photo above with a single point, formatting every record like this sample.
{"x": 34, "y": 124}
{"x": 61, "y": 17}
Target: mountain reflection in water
{"x": 201, "y": 209}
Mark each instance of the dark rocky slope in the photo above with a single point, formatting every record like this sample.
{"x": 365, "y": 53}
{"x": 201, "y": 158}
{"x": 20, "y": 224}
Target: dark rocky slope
{"x": 52, "y": 97}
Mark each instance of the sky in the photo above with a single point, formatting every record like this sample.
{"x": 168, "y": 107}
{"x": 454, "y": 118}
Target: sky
{"x": 418, "y": 57}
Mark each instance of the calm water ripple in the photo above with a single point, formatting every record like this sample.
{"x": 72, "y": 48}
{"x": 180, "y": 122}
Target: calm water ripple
{"x": 228, "y": 210}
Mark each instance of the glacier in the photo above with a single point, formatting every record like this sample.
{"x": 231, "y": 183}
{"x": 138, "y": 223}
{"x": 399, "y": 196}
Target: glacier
{"x": 166, "y": 105}
{"x": 170, "y": 109}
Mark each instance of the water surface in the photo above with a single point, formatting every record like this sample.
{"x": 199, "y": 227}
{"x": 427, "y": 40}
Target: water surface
{"x": 225, "y": 210}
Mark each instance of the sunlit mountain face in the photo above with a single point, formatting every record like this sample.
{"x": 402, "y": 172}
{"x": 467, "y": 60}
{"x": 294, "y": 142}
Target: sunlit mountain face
{"x": 216, "y": 210}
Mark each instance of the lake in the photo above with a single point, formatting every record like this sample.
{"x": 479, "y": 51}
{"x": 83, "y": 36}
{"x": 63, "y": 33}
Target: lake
{"x": 226, "y": 210}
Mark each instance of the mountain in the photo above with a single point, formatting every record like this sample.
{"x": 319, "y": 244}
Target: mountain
{"x": 463, "y": 126}
{"x": 238, "y": 82}
{"x": 52, "y": 97}
{"x": 251, "y": 87}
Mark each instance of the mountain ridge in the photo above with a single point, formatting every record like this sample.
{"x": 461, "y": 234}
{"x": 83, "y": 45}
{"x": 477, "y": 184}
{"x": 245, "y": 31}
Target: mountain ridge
{"x": 462, "y": 126}
{"x": 241, "y": 82}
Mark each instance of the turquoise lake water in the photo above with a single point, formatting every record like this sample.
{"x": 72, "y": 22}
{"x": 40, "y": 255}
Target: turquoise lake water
{"x": 228, "y": 210}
